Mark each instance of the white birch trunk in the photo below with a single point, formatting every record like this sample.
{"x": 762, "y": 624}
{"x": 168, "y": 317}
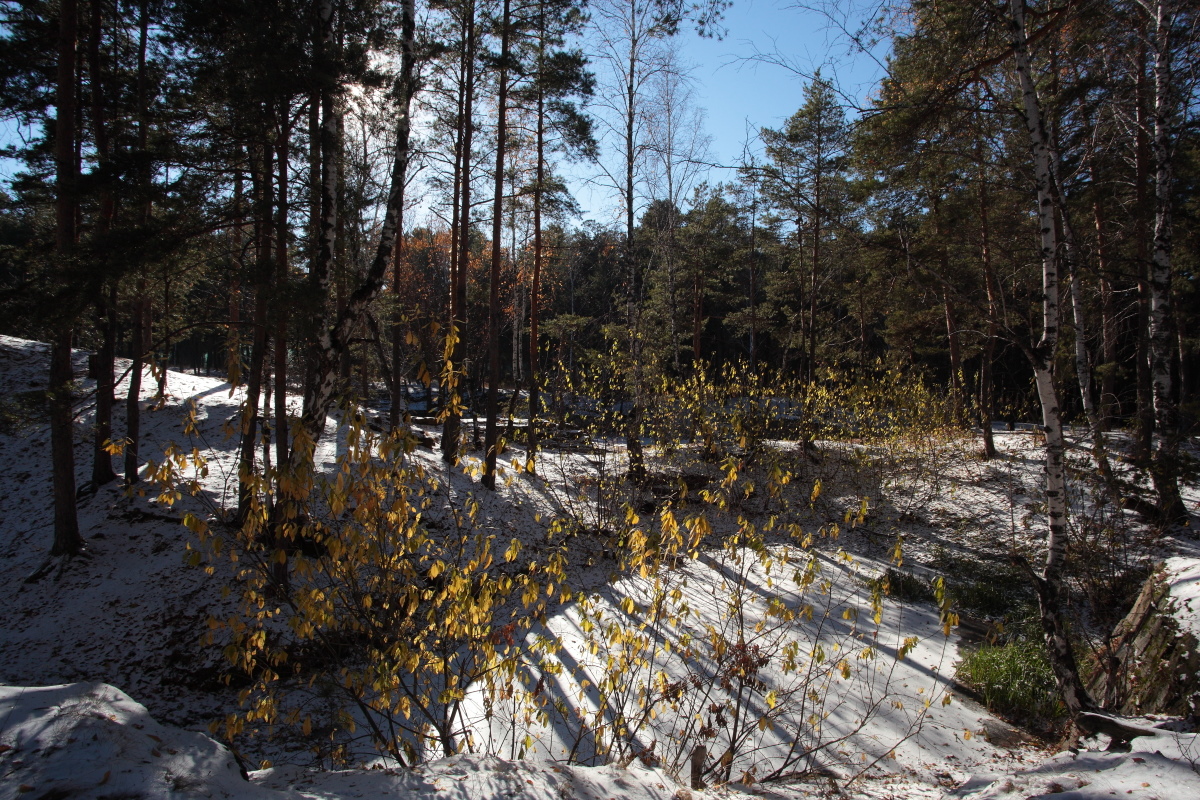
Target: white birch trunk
{"x": 1083, "y": 364}
{"x": 1049, "y": 583}
{"x": 1163, "y": 468}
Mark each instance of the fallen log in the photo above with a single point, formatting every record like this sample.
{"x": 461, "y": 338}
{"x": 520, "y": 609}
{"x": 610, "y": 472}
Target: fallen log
{"x": 1120, "y": 733}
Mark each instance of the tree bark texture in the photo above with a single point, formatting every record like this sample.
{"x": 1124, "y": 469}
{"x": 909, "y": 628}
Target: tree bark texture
{"x": 102, "y": 468}
{"x": 1164, "y": 467}
{"x": 333, "y": 337}
{"x": 491, "y": 442}
{"x": 67, "y": 540}
{"x": 1049, "y": 583}
{"x": 535, "y": 283}
{"x": 261, "y": 173}
{"x": 455, "y": 370}
{"x": 1143, "y": 442}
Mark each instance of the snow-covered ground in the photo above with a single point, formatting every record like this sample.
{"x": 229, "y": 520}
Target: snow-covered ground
{"x": 1165, "y": 766}
{"x": 1182, "y": 575}
{"x": 91, "y": 740}
{"x": 86, "y": 740}
{"x": 132, "y": 615}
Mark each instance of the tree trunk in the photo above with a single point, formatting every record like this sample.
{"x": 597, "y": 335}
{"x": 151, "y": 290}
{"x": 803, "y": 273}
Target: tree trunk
{"x": 254, "y": 383}
{"x": 133, "y": 408}
{"x": 234, "y": 344}
{"x": 986, "y": 391}
{"x": 535, "y": 284}
{"x": 1083, "y": 365}
{"x": 323, "y": 164}
{"x": 816, "y": 264}
{"x": 491, "y": 443}
{"x": 754, "y": 280}
{"x": 396, "y": 380}
{"x": 281, "y": 289}
{"x": 455, "y": 372}
{"x": 141, "y": 311}
{"x": 633, "y": 430}
{"x": 1109, "y": 404}
{"x": 106, "y": 320}
{"x": 1144, "y": 439}
{"x": 102, "y": 468}
{"x": 697, "y": 318}
{"x": 1164, "y": 468}
{"x": 343, "y": 270}
{"x": 952, "y": 337}
{"x": 67, "y": 540}
{"x": 1050, "y": 582}
{"x": 333, "y": 340}
{"x": 408, "y": 43}
{"x": 160, "y": 394}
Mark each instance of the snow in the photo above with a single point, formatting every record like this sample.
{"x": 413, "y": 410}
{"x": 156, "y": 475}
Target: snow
{"x": 1182, "y": 575}
{"x": 91, "y": 740}
{"x": 468, "y": 777}
{"x": 132, "y": 614}
{"x": 129, "y": 615}
{"x": 882, "y": 716}
{"x": 1162, "y": 767}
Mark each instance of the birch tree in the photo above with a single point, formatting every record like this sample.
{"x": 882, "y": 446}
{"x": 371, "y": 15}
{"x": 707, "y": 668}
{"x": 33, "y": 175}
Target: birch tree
{"x": 1173, "y": 95}
{"x": 1049, "y": 583}
{"x": 630, "y": 36}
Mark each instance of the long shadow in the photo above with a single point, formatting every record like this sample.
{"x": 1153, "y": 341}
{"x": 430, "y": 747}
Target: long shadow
{"x": 829, "y": 628}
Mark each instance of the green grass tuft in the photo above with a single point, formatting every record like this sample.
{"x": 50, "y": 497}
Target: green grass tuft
{"x": 1014, "y": 679}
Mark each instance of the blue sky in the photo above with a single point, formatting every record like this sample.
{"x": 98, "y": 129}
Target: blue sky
{"x": 741, "y": 93}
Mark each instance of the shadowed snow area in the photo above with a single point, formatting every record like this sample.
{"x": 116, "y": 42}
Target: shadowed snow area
{"x": 92, "y": 740}
{"x": 858, "y": 700}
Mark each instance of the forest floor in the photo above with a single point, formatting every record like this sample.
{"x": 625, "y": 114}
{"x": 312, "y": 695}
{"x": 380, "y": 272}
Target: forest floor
{"x": 130, "y": 616}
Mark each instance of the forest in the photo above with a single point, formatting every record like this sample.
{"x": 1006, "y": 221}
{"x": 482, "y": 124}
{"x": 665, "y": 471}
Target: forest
{"x": 438, "y": 463}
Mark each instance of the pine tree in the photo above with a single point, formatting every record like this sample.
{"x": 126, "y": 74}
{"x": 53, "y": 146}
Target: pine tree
{"x": 804, "y": 178}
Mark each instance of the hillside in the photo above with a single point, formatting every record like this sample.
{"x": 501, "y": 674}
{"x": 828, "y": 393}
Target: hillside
{"x": 132, "y": 614}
